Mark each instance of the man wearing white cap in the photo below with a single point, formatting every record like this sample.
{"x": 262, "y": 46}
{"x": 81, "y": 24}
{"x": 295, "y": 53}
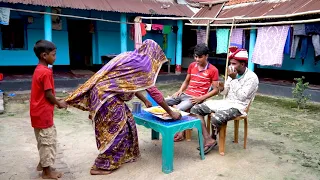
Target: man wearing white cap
{"x": 239, "y": 89}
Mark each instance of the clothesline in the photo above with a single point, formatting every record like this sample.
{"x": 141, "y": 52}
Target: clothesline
{"x": 216, "y": 29}
{"x": 192, "y": 18}
{"x": 71, "y": 16}
{"x": 237, "y": 18}
{"x": 261, "y": 24}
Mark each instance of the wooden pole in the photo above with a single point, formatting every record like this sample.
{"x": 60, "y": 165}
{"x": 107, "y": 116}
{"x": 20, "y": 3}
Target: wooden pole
{"x": 207, "y": 33}
{"x": 227, "y": 61}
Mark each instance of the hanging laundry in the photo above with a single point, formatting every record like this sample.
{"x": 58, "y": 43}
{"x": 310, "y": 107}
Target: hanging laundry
{"x": 269, "y": 47}
{"x": 166, "y": 29}
{"x": 303, "y": 40}
{"x": 148, "y": 27}
{"x": 299, "y": 29}
{"x": 4, "y": 16}
{"x": 287, "y": 46}
{"x": 237, "y": 38}
{"x": 137, "y": 36}
{"x": 201, "y": 36}
{"x": 143, "y": 29}
{"x": 157, "y": 28}
{"x": 316, "y": 46}
{"x": 165, "y": 42}
{"x": 131, "y": 36}
{"x": 175, "y": 29}
{"x": 212, "y": 41}
{"x": 312, "y": 28}
{"x": 222, "y": 40}
{"x": 299, "y": 32}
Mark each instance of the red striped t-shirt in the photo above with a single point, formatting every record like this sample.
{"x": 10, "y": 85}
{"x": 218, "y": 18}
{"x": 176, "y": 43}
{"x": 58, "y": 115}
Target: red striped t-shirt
{"x": 200, "y": 81}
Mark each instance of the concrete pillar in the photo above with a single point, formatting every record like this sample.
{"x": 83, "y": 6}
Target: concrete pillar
{"x": 123, "y": 32}
{"x": 48, "y": 27}
{"x": 253, "y": 37}
{"x": 179, "y": 47}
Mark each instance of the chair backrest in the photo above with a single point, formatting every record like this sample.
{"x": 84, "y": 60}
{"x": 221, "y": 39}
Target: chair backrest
{"x": 248, "y": 107}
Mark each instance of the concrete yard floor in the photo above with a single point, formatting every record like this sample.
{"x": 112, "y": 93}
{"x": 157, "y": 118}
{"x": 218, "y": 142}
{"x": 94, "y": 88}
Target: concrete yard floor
{"x": 283, "y": 143}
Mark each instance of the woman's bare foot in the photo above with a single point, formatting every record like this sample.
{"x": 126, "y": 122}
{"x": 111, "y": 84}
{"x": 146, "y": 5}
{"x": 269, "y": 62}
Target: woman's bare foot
{"x": 96, "y": 171}
{"x": 48, "y": 173}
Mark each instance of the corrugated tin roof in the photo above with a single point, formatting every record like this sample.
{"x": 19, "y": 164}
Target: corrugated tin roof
{"x": 124, "y": 6}
{"x": 231, "y": 2}
{"x": 207, "y": 12}
{"x": 257, "y": 9}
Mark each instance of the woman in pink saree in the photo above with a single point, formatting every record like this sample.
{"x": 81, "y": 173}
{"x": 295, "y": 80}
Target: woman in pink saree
{"x": 104, "y": 96}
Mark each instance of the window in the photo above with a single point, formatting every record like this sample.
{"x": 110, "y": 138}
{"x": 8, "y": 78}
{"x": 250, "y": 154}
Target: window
{"x": 13, "y": 35}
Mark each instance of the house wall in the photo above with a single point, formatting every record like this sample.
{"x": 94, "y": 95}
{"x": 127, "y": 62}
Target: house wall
{"x": 35, "y": 32}
{"x": 105, "y": 39}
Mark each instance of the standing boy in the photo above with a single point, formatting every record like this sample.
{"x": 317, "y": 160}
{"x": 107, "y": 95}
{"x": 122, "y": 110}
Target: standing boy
{"x": 42, "y": 103}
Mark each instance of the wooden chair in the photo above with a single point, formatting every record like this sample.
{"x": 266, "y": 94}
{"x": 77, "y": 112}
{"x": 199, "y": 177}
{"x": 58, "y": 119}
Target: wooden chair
{"x": 223, "y": 130}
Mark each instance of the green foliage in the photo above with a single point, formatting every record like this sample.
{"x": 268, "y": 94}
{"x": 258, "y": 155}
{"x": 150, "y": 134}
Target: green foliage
{"x": 298, "y": 92}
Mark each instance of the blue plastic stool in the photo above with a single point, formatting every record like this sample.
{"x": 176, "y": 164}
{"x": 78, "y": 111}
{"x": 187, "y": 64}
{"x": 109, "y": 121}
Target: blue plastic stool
{"x": 168, "y": 129}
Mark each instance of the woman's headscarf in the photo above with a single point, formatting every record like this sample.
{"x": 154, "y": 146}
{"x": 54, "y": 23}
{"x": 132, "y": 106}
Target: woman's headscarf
{"x": 128, "y": 72}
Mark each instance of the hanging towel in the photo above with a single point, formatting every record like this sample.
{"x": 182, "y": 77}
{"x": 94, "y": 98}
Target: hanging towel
{"x": 299, "y": 29}
{"x": 156, "y": 27}
{"x": 313, "y": 28}
{"x": 287, "y": 46}
{"x": 137, "y": 35}
{"x": 165, "y": 42}
{"x": 269, "y": 47}
{"x": 212, "y": 41}
{"x": 201, "y": 36}
{"x": 4, "y": 15}
{"x": 131, "y": 32}
{"x": 143, "y": 29}
{"x": 222, "y": 40}
{"x": 166, "y": 29}
{"x": 237, "y": 38}
{"x": 148, "y": 27}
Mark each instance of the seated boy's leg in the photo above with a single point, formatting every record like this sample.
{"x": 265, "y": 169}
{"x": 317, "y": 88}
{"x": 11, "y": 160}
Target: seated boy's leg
{"x": 47, "y": 140}
{"x": 220, "y": 118}
{"x": 202, "y": 110}
{"x": 185, "y": 104}
{"x": 172, "y": 101}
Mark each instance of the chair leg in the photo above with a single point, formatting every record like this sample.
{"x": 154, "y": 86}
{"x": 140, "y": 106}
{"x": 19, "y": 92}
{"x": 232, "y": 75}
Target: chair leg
{"x": 236, "y": 131}
{"x": 188, "y": 134}
{"x": 208, "y": 123}
{"x": 245, "y": 133}
{"x": 222, "y": 139}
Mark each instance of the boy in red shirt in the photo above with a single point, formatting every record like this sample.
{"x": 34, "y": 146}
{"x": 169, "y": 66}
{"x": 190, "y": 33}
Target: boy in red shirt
{"x": 194, "y": 90}
{"x": 42, "y": 103}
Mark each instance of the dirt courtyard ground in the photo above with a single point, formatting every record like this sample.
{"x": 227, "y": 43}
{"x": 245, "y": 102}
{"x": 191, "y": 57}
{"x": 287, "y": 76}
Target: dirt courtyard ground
{"x": 283, "y": 143}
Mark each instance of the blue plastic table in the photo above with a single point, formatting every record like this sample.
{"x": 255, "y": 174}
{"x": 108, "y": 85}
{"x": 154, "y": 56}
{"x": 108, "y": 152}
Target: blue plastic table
{"x": 168, "y": 129}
